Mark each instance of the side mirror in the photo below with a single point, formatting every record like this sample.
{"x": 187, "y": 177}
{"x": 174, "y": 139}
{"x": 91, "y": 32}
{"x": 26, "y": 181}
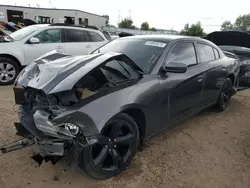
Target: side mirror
{"x": 7, "y": 39}
{"x": 175, "y": 67}
{"x": 34, "y": 40}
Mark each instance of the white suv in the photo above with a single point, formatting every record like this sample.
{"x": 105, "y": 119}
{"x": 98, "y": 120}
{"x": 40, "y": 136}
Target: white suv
{"x": 31, "y": 42}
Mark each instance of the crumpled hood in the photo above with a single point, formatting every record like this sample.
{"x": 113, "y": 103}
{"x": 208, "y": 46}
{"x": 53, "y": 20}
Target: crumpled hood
{"x": 46, "y": 72}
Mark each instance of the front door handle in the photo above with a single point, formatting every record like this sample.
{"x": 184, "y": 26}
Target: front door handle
{"x": 88, "y": 46}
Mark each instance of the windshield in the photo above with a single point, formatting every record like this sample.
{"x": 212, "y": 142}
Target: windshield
{"x": 143, "y": 52}
{"x": 24, "y": 32}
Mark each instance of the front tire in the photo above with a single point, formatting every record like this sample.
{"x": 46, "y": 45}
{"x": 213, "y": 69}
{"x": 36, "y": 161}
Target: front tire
{"x": 9, "y": 70}
{"x": 116, "y": 147}
{"x": 225, "y": 95}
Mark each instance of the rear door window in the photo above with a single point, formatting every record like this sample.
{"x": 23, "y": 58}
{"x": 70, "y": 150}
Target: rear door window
{"x": 74, "y": 35}
{"x": 95, "y": 37}
{"x": 205, "y": 53}
{"x": 50, "y": 36}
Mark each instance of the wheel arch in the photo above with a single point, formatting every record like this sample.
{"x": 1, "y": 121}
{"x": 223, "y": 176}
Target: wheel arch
{"x": 232, "y": 77}
{"x": 13, "y": 58}
{"x": 139, "y": 117}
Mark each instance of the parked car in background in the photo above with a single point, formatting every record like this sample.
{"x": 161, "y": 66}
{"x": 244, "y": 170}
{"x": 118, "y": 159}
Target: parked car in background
{"x": 16, "y": 26}
{"x": 104, "y": 104}
{"x": 8, "y": 26}
{"x": 5, "y": 30}
{"x": 31, "y": 42}
{"x": 238, "y": 43}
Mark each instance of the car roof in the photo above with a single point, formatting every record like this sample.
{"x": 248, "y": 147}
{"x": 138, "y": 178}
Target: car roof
{"x": 63, "y": 26}
{"x": 163, "y": 38}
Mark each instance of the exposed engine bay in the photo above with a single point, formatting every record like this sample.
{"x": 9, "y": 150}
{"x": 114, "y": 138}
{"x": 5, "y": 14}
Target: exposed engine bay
{"x": 55, "y": 104}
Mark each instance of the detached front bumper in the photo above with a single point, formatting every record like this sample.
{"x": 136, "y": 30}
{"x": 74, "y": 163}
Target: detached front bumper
{"x": 51, "y": 142}
{"x": 47, "y": 147}
{"x": 52, "y": 138}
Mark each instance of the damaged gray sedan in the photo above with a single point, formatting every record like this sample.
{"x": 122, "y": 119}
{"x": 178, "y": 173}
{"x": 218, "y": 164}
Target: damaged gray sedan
{"x": 103, "y": 105}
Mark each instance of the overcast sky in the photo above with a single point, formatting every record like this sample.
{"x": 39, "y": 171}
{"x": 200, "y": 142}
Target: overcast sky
{"x": 158, "y": 13}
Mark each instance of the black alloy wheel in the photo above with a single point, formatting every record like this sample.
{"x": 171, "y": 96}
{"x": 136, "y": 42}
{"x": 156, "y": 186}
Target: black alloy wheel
{"x": 225, "y": 95}
{"x": 116, "y": 147}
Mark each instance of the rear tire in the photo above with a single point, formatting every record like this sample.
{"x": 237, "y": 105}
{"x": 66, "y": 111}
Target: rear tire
{"x": 225, "y": 95}
{"x": 9, "y": 70}
{"x": 116, "y": 147}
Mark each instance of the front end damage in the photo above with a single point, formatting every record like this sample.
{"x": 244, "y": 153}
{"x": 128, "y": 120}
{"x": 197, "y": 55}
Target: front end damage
{"x": 51, "y": 95}
{"x": 50, "y": 140}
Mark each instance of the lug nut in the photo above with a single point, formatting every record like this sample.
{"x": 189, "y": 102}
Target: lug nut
{"x": 114, "y": 139}
{"x": 109, "y": 149}
{"x": 110, "y": 140}
{"x": 106, "y": 146}
{"x": 115, "y": 146}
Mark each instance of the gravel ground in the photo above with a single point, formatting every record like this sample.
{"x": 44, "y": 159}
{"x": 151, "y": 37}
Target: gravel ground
{"x": 208, "y": 150}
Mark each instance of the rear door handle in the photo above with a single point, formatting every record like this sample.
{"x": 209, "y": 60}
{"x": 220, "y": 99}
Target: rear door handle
{"x": 88, "y": 46}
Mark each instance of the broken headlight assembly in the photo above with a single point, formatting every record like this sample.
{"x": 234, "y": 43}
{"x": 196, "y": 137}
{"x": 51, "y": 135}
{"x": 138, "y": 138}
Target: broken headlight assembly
{"x": 73, "y": 129}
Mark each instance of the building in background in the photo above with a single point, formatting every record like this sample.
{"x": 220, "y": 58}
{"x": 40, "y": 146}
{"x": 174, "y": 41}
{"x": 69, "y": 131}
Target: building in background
{"x": 9, "y": 13}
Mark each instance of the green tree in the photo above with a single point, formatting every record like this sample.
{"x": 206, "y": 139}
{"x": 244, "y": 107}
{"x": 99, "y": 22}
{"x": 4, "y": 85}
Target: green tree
{"x": 226, "y": 25}
{"x": 243, "y": 22}
{"x": 126, "y": 23}
{"x": 152, "y": 29}
{"x": 107, "y": 19}
{"x": 145, "y": 26}
{"x": 193, "y": 30}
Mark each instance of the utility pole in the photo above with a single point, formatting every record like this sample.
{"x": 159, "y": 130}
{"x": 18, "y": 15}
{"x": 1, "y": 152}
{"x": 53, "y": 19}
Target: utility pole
{"x": 50, "y": 4}
{"x": 119, "y": 16}
{"x": 129, "y": 14}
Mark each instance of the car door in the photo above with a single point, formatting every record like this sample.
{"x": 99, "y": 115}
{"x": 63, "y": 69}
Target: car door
{"x": 77, "y": 42}
{"x": 49, "y": 39}
{"x": 214, "y": 72}
{"x": 183, "y": 90}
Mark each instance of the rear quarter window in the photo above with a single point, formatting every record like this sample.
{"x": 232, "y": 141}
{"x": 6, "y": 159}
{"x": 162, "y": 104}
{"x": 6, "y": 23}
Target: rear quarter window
{"x": 205, "y": 53}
